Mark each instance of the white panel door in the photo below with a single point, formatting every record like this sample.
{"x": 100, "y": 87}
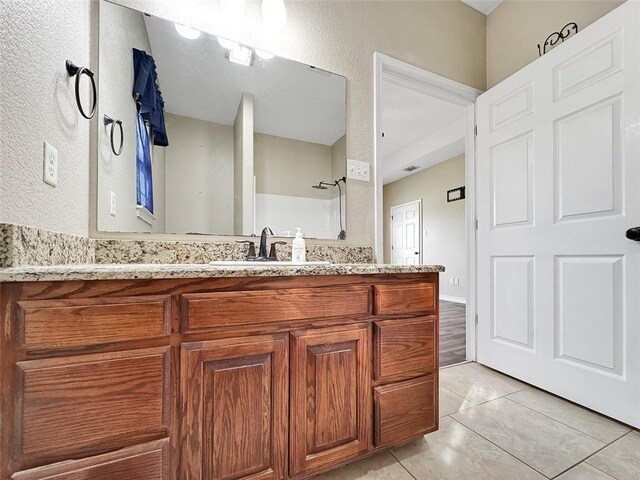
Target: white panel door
{"x": 558, "y": 185}
{"x": 406, "y": 223}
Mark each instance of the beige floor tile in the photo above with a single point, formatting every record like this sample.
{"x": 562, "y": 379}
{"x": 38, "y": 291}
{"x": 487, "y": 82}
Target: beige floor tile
{"x": 379, "y": 467}
{"x": 539, "y": 441}
{"x": 584, "y": 471}
{"x": 456, "y": 453}
{"x": 621, "y": 459}
{"x": 579, "y": 418}
{"x": 478, "y": 384}
{"x": 452, "y": 403}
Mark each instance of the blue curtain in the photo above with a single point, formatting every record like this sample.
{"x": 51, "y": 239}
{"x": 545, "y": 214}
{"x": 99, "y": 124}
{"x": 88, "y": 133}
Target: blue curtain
{"x": 148, "y": 96}
{"x": 144, "y": 180}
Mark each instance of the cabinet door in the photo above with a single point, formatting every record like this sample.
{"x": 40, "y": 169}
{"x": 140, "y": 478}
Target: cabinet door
{"x": 330, "y": 397}
{"x": 235, "y": 403}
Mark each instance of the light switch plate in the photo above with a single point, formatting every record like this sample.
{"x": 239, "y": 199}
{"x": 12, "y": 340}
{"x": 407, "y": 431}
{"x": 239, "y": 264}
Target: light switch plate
{"x": 357, "y": 170}
{"x": 50, "y": 164}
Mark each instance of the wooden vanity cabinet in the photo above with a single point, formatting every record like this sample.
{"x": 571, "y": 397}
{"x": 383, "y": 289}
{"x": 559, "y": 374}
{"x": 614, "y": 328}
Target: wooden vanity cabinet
{"x": 213, "y": 379}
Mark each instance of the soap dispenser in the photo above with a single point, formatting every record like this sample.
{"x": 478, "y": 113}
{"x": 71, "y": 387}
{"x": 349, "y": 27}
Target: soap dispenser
{"x": 299, "y": 250}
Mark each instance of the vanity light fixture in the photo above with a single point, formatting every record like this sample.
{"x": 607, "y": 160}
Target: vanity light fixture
{"x": 274, "y": 15}
{"x": 241, "y": 55}
{"x": 228, "y": 44}
{"x": 263, "y": 54}
{"x": 187, "y": 32}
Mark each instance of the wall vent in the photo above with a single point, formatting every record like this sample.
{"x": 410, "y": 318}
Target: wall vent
{"x": 410, "y": 168}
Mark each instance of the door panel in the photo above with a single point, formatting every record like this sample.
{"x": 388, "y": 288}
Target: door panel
{"x": 558, "y": 176}
{"x": 235, "y": 399}
{"x": 330, "y": 397}
{"x": 405, "y": 234}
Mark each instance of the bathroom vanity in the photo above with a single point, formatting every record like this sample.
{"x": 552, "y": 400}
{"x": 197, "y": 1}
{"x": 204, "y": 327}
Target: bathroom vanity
{"x": 201, "y": 372}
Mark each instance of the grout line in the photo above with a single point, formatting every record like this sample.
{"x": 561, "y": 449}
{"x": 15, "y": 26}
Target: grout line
{"x": 563, "y": 423}
{"x": 405, "y": 468}
{"x": 600, "y": 470}
{"x": 499, "y": 447}
{"x": 584, "y": 460}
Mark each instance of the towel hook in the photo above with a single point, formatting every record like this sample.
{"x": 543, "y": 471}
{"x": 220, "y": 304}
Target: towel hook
{"x": 78, "y": 72}
{"x": 110, "y": 121}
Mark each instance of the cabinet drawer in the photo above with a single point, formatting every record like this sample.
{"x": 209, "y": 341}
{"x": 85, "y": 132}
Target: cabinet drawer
{"x": 404, "y": 299}
{"x": 73, "y": 405}
{"x": 205, "y": 311}
{"x": 405, "y": 410}
{"x": 58, "y": 324}
{"x": 149, "y": 461}
{"x": 404, "y": 348}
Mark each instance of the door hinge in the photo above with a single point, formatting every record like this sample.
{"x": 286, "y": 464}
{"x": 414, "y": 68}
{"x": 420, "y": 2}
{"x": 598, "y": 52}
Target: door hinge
{"x": 475, "y": 129}
{"x": 476, "y": 318}
{"x": 476, "y": 223}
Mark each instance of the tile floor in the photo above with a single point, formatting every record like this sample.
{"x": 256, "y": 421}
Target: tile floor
{"x": 493, "y": 427}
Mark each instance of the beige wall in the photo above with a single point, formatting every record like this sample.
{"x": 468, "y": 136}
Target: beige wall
{"x": 515, "y": 28}
{"x": 199, "y": 176}
{"x": 447, "y": 38}
{"x": 444, "y": 222}
{"x": 291, "y": 167}
{"x": 243, "y": 167}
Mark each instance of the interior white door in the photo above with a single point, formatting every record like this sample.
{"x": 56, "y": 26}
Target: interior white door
{"x": 406, "y": 222}
{"x": 558, "y": 185}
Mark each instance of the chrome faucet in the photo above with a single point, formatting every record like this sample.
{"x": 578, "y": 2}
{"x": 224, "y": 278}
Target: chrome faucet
{"x": 262, "y": 253}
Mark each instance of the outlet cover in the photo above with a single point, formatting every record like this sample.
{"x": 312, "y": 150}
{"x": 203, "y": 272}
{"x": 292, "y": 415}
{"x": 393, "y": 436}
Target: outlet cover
{"x": 50, "y": 164}
{"x": 357, "y": 170}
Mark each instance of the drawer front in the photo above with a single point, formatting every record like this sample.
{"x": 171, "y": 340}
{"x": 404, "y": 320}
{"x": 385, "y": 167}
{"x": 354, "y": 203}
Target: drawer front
{"x": 205, "y": 311}
{"x": 149, "y": 461}
{"x": 404, "y": 299}
{"x": 405, "y": 410}
{"x": 404, "y": 348}
{"x": 73, "y": 405}
{"x": 59, "y": 324}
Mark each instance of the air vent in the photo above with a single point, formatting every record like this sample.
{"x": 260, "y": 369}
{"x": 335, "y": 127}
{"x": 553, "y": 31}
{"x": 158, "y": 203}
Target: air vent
{"x": 410, "y": 168}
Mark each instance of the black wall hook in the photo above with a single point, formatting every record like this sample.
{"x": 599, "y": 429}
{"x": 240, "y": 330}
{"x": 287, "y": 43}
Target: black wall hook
{"x": 110, "y": 121}
{"x": 74, "y": 70}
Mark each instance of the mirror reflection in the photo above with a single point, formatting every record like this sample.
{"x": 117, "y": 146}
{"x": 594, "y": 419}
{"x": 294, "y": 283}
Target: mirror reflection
{"x": 217, "y": 138}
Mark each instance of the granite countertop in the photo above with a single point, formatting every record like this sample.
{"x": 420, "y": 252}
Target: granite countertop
{"x": 161, "y": 271}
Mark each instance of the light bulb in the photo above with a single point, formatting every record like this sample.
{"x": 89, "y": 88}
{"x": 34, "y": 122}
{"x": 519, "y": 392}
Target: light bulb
{"x": 232, "y": 9}
{"x": 187, "y": 32}
{"x": 264, "y": 54}
{"x": 228, "y": 44}
{"x": 274, "y": 15}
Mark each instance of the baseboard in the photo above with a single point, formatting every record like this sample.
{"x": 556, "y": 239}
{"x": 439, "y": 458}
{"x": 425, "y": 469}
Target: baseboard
{"x": 451, "y": 298}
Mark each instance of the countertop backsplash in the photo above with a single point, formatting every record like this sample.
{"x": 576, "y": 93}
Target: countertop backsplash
{"x": 27, "y": 246}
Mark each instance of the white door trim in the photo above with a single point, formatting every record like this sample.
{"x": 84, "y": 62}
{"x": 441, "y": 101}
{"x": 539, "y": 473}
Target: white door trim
{"x": 420, "y": 227}
{"x": 410, "y": 76}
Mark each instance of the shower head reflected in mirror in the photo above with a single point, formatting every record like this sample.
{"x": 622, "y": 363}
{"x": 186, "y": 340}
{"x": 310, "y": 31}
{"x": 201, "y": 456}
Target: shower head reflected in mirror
{"x": 322, "y": 185}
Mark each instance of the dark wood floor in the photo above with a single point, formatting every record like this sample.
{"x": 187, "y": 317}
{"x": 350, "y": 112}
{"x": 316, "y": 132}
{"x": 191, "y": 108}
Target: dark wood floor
{"x": 452, "y": 333}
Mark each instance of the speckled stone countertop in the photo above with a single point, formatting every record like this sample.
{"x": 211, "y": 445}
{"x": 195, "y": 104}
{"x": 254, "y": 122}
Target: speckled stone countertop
{"x": 162, "y": 271}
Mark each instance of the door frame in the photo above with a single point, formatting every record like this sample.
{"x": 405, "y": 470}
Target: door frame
{"x": 423, "y": 81}
{"x": 419, "y": 202}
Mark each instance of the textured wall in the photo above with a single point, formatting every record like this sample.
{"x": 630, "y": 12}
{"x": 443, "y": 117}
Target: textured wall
{"x": 515, "y": 28}
{"x": 444, "y": 221}
{"x": 37, "y": 103}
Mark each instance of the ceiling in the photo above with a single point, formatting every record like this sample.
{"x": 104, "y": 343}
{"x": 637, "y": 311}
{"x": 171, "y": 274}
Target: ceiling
{"x": 419, "y": 129}
{"x": 291, "y": 99}
{"x": 484, "y": 6}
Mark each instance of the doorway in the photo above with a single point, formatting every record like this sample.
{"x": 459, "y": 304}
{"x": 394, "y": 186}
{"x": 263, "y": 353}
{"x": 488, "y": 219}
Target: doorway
{"x": 424, "y": 148}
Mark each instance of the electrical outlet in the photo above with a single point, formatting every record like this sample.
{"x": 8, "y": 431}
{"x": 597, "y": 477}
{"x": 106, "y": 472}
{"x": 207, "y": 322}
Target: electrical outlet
{"x": 50, "y": 164}
{"x": 112, "y": 204}
{"x": 451, "y": 281}
{"x": 357, "y": 170}
{"x": 457, "y": 282}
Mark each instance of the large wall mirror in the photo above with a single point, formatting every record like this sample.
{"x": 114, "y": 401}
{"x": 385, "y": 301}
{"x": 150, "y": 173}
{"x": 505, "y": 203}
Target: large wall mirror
{"x": 217, "y": 138}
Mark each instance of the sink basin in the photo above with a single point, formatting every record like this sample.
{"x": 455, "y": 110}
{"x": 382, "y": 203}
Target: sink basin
{"x": 243, "y": 263}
